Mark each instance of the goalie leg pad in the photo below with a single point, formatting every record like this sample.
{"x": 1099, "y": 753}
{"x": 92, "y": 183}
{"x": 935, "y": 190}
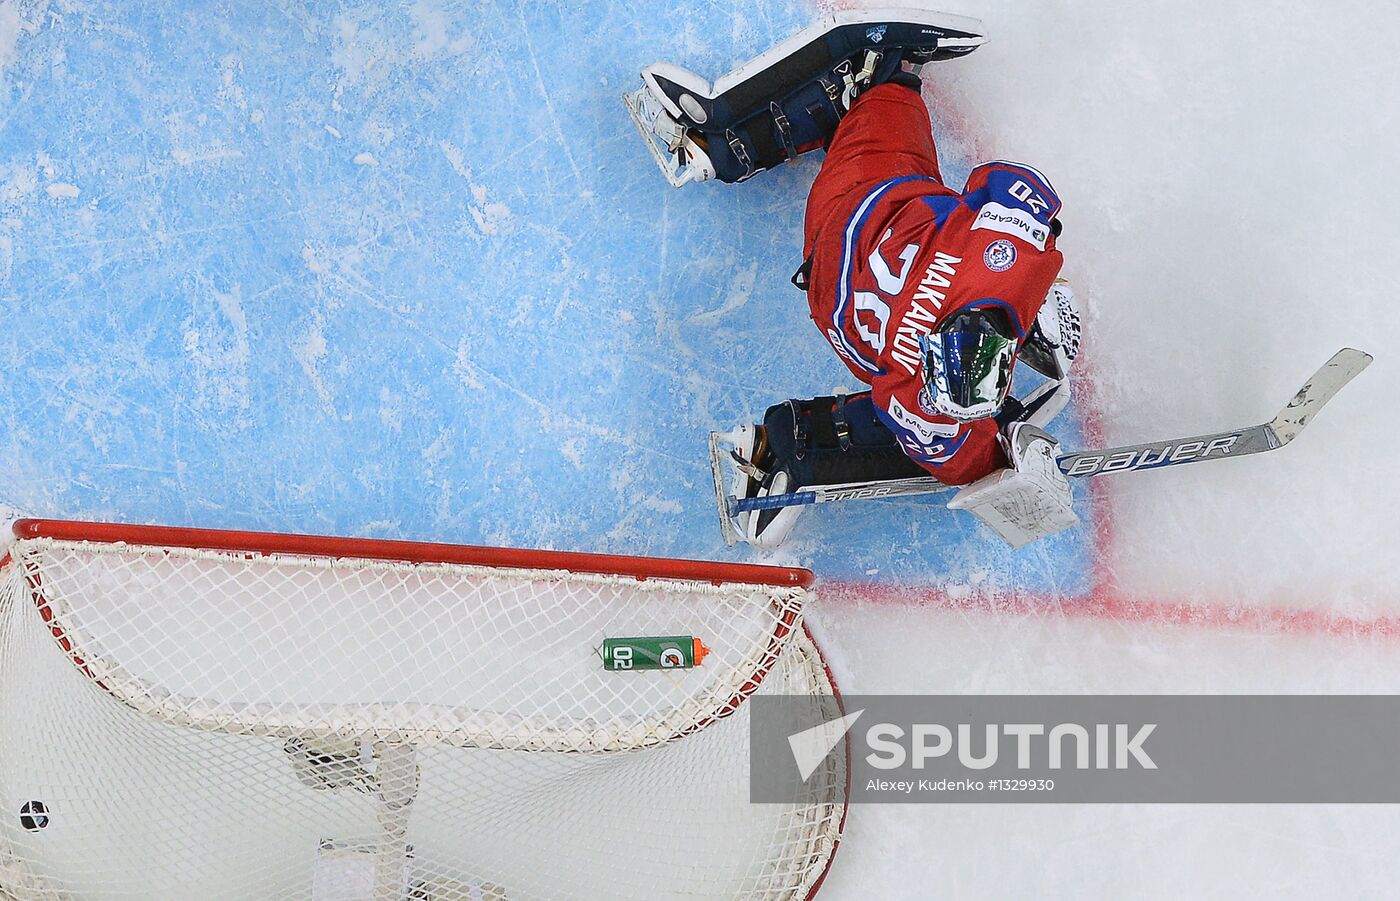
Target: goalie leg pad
{"x": 789, "y": 99}
{"x": 768, "y": 529}
{"x": 835, "y": 440}
{"x": 829, "y": 440}
{"x": 1029, "y": 500}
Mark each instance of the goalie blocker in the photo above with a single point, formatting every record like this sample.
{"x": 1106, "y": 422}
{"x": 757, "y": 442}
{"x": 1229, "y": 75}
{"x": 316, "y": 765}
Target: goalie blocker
{"x": 1028, "y": 500}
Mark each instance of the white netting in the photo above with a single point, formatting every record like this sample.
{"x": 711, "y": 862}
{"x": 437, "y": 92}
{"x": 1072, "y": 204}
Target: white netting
{"x": 183, "y": 723}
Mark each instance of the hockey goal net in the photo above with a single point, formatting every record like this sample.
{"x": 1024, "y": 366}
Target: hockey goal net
{"x": 196, "y": 714}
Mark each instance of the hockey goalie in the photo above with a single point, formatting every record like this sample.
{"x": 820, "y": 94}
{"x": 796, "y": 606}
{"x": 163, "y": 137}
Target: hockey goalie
{"x": 929, "y": 294}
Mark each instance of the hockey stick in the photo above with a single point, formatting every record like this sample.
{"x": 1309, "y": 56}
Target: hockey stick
{"x": 1334, "y": 375}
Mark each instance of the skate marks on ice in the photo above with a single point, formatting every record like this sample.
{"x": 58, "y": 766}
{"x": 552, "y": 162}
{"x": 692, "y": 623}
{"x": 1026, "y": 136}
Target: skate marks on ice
{"x": 427, "y": 304}
{"x": 403, "y": 273}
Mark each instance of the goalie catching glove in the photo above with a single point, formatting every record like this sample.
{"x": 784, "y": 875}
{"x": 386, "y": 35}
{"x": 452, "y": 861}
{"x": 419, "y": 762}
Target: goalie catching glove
{"x": 1028, "y": 500}
{"x": 1053, "y": 343}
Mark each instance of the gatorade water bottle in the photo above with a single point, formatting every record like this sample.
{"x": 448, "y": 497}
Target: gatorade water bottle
{"x": 653, "y": 652}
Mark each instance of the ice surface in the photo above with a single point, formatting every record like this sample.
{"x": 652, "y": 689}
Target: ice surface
{"x": 1165, "y": 851}
{"x": 409, "y": 273}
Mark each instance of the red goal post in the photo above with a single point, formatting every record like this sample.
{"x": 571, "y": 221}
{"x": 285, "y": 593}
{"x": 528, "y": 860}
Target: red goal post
{"x": 245, "y": 714}
{"x": 411, "y": 552}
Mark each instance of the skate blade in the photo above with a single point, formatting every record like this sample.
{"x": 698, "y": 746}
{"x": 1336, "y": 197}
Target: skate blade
{"x": 723, "y": 502}
{"x": 669, "y": 164}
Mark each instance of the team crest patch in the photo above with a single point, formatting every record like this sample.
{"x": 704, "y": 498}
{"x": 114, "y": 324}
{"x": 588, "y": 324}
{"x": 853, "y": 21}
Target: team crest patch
{"x": 1000, "y": 255}
{"x": 926, "y": 402}
{"x": 876, "y": 33}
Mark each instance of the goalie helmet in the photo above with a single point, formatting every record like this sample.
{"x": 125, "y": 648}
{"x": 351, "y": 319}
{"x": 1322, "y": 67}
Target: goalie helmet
{"x": 968, "y": 363}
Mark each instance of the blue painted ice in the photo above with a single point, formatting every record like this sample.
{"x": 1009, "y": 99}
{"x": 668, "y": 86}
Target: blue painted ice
{"x": 408, "y": 273}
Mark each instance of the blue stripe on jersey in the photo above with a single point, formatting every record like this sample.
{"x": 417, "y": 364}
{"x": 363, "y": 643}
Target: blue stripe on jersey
{"x": 942, "y": 206}
{"x": 843, "y": 285}
{"x": 1033, "y": 173}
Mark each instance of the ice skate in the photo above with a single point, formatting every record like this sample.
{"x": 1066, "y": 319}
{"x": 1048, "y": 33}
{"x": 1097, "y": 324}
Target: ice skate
{"x": 756, "y": 474}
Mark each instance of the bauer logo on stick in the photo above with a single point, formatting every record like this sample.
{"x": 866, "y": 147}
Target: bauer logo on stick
{"x": 1151, "y": 457}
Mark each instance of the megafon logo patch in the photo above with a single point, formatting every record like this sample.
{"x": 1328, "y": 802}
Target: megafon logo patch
{"x": 1014, "y": 222}
{"x": 929, "y": 433}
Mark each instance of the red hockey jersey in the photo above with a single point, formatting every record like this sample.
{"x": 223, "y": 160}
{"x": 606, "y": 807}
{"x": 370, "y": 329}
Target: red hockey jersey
{"x": 894, "y": 252}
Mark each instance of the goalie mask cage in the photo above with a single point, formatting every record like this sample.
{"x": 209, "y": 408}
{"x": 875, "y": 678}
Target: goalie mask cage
{"x": 191, "y": 714}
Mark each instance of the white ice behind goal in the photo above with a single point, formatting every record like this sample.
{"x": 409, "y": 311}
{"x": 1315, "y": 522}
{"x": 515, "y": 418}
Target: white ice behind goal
{"x": 195, "y": 714}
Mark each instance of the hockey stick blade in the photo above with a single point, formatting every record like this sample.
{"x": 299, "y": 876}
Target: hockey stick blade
{"x": 1334, "y": 375}
{"x": 1345, "y": 365}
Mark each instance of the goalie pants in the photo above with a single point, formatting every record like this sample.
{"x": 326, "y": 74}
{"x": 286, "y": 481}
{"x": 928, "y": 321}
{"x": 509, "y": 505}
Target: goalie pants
{"x": 886, "y": 134}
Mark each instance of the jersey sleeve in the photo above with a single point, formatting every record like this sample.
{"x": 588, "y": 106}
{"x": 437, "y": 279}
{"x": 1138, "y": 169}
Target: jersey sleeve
{"x": 1016, "y": 200}
{"x": 952, "y": 452}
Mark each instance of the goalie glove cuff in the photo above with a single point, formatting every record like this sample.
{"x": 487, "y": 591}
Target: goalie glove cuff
{"x": 1053, "y": 342}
